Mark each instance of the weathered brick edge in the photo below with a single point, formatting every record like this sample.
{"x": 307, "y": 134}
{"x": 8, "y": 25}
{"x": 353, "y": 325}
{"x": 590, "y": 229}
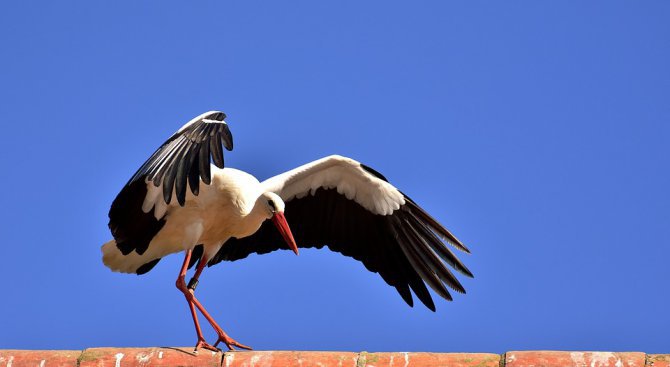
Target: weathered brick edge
{"x": 184, "y": 357}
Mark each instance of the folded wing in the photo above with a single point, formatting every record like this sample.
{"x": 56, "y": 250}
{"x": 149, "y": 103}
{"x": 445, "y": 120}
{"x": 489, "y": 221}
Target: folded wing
{"x": 186, "y": 156}
{"x": 138, "y": 211}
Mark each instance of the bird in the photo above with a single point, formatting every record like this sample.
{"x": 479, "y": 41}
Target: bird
{"x": 184, "y": 199}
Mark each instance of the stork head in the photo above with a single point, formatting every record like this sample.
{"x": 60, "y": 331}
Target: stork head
{"x": 275, "y": 211}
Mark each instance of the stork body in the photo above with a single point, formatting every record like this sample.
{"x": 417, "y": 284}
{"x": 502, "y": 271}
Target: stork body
{"x": 334, "y": 201}
{"x": 230, "y": 206}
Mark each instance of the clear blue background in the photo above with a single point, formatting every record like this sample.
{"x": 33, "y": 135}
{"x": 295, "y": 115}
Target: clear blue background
{"x": 537, "y": 131}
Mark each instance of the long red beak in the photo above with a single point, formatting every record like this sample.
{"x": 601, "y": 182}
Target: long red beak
{"x": 280, "y": 222}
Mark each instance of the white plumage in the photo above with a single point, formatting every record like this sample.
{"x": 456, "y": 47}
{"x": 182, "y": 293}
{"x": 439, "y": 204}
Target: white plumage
{"x": 344, "y": 174}
{"x": 221, "y": 210}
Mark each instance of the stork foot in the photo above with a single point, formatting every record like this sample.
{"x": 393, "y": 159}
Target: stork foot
{"x": 230, "y": 342}
{"x": 203, "y": 344}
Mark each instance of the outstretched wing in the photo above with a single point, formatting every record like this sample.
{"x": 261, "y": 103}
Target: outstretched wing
{"x": 185, "y": 156}
{"x": 352, "y": 209}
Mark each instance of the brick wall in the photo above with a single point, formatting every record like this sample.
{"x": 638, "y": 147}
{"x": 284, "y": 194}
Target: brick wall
{"x": 184, "y": 357}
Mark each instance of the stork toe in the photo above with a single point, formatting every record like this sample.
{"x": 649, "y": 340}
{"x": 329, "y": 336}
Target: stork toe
{"x": 203, "y": 344}
{"x": 230, "y": 343}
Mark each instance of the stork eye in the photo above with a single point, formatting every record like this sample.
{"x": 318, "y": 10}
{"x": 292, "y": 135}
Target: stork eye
{"x": 272, "y": 205}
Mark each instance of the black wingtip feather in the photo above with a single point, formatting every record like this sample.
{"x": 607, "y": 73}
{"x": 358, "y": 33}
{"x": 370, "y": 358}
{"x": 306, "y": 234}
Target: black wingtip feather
{"x": 203, "y": 161}
{"x": 422, "y": 248}
{"x": 227, "y": 138}
{"x": 435, "y": 244}
{"x": 405, "y": 293}
{"x": 183, "y": 169}
{"x": 194, "y": 176}
{"x": 419, "y": 288}
{"x": 435, "y": 225}
{"x": 215, "y": 148}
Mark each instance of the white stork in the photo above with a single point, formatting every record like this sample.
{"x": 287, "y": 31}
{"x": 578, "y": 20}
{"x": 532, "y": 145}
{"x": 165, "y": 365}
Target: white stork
{"x": 334, "y": 201}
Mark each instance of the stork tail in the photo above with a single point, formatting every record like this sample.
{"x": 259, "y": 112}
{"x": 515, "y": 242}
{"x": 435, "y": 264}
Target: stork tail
{"x": 114, "y": 259}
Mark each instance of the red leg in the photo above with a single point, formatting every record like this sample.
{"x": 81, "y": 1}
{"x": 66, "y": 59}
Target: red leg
{"x": 193, "y": 302}
{"x": 181, "y": 285}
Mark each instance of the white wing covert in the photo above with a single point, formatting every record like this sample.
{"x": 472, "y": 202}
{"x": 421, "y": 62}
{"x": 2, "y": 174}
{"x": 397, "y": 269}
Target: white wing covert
{"x": 346, "y": 175}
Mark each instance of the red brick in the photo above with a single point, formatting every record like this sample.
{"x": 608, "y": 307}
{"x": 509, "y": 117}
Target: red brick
{"x": 574, "y": 359}
{"x": 658, "y": 360}
{"x": 39, "y": 358}
{"x": 148, "y": 357}
{"x": 429, "y": 359}
{"x": 289, "y": 358}
{"x": 184, "y": 357}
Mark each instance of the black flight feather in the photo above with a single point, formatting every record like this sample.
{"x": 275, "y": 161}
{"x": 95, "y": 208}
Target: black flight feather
{"x": 215, "y": 147}
{"x": 131, "y": 227}
{"x": 392, "y": 245}
{"x": 203, "y": 161}
{"x": 194, "y": 175}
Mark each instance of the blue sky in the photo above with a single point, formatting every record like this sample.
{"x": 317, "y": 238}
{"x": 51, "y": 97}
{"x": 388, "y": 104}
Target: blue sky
{"x": 536, "y": 131}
